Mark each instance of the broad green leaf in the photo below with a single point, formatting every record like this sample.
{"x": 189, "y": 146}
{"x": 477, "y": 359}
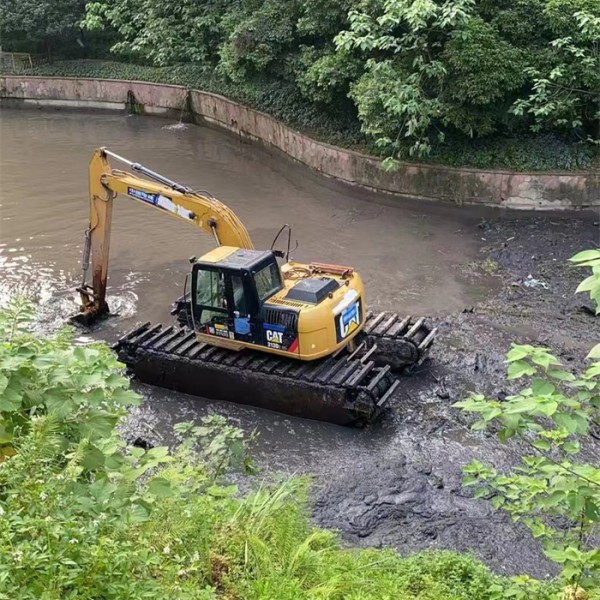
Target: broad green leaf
{"x": 139, "y": 513}
{"x": 91, "y": 379}
{"x": 517, "y": 353}
{"x": 481, "y": 492}
{"x": 520, "y": 368}
{"x": 556, "y": 555}
{"x": 59, "y": 403}
{"x": 116, "y": 381}
{"x": 585, "y": 255}
{"x": 566, "y": 421}
{"x": 93, "y": 459}
{"x": 525, "y": 405}
{"x": 3, "y": 382}
{"x": 100, "y": 424}
{"x": 591, "y": 510}
{"x": 492, "y": 413}
{"x": 160, "y": 487}
{"x": 548, "y": 408}
{"x": 126, "y": 397}
{"x": 594, "y": 352}
{"x": 6, "y": 437}
{"x": 542, "y": 444}
{"x": 541, "y": 387}
{"x": 582, "y": 422}
{"x": 562, "y": 375}
{"x": 157, "y": 453}
{"x": 571, "y": 447}
{"x": 506, "y": 433}
{"x": 589, "y": 283}
{"x": 545, "y": 360}
{"x": 10, "y": 400}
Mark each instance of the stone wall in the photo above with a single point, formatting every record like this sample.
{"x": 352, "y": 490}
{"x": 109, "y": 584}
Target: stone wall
{"x": 537, "y": 191}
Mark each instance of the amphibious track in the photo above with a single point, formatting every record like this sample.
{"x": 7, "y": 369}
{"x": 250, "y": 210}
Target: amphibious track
{"x": 346, "y": 388}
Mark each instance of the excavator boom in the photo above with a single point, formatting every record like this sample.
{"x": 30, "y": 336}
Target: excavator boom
{"x": 197, "y": 208}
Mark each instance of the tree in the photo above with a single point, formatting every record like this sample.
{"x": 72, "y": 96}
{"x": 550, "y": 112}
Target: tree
{"x": 565, "y": 89}
{"x": 40, "y": 23}
{"x": 399, "y": 94}
{"x": 162, "y": 31}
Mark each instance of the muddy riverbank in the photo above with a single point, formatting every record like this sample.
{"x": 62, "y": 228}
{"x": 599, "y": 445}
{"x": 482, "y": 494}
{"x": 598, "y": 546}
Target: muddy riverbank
{"x": 409, "y": 495}
{"x": 397, "y": 483}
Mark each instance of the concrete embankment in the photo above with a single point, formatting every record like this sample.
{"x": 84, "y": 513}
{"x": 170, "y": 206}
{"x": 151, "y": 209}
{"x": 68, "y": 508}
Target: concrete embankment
{"x": 531, "y": 191}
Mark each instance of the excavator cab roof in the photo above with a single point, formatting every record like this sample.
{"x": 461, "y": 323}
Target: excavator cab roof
{"x": 236, "y": 258}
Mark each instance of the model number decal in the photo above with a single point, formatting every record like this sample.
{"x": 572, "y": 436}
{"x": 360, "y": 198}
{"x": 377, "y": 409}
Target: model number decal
{"x": 161, "y": 202}
{"x": 274, "y": 335}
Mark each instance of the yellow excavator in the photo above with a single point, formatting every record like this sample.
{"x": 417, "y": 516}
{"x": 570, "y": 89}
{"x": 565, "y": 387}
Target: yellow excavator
{"x": 254, "y": 326}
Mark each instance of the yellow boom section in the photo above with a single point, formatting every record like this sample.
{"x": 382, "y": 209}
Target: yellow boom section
{"x": 196, "y": 208}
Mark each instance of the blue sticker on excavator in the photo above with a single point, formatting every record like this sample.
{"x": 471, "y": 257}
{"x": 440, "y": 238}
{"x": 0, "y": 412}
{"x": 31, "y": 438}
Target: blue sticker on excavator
{"x": 141, "y": 195}
{"x": 348, "y": 320}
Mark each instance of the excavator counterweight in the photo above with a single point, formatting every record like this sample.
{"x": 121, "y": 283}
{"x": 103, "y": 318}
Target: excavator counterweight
{"x": 287, "y": 336}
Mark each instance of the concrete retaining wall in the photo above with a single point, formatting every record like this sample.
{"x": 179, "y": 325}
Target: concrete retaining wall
{"x": 541, "y": 191}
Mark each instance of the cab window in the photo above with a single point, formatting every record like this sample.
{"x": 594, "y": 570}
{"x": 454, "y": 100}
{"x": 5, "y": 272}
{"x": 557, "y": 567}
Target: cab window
{"x": 210, "y": 288}
{"x": 268, "y": 281}
{"x": 210, "y": 297}
{"x": 239, "y": 297}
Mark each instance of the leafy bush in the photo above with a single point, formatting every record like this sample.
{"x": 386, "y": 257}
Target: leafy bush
{"x": 554, "y": 492}
{"x": 128, "y": 524}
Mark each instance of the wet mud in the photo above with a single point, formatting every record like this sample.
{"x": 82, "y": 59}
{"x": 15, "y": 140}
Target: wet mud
{"x": 409, "y": 495}
{"x": 486, "y": 278}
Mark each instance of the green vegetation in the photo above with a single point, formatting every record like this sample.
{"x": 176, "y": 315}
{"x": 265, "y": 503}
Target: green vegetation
{"x": 280, "y": 101}
{"x": 464, "y": 82}
{"x": 552, "y": 491}
{"x": 45, "y": 24}
{"x": 84, "y": 516}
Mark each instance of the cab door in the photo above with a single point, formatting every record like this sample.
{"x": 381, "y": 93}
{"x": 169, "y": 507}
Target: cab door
{"x": 209, "y": 302}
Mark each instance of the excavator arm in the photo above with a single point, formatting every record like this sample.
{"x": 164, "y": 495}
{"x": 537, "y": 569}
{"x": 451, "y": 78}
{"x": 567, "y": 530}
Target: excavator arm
{"x": 197, "y": 208}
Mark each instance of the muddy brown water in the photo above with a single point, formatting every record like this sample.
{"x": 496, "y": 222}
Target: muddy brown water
{"x": 395, "y": 484}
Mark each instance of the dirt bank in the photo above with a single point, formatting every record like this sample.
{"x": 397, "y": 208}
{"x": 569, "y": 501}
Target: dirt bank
{"x": 409, "y": 495}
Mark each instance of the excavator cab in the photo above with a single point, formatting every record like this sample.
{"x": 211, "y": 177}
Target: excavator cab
{"x": 229, "y": 289}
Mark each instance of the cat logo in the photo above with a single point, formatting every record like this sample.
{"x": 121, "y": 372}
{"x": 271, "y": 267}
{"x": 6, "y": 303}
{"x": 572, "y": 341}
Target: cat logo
{"x": 349, "y": 319}
{"x": 275, "y": 337}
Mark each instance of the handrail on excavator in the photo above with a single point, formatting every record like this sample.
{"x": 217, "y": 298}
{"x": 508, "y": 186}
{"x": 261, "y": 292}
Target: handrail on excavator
{"x": 148, "y": 172}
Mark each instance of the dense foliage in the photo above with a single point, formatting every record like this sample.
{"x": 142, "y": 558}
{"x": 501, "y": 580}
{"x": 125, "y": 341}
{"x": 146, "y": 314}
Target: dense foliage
{"x": 415, "y": 73}
{"x": 466, "y": 82}
{"x": 84, "y": 516}
{"x": 40, "y": 25}
{"x": 554, "y": 490}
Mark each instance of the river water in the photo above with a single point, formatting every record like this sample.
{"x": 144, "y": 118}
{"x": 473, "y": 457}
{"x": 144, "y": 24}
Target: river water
{"x": 415, "y": 258}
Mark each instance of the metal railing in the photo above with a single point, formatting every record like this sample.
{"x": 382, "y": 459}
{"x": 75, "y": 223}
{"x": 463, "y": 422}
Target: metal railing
{"x": 19, "y": 62}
